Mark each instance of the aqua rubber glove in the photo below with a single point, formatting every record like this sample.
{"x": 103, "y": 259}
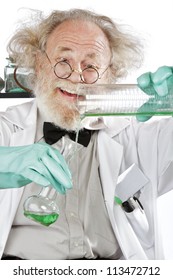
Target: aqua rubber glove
{"x": 38, "y": 162}
{"x": 159, "y": 83}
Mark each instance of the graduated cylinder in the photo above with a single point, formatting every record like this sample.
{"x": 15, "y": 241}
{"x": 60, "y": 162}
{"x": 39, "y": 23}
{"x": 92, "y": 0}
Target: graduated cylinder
{"x": 121, "y": 99}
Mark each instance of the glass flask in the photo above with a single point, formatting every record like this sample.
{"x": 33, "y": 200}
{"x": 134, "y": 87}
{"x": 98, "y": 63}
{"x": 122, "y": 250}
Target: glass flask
{"x": 10, "y": 83}
{"x": 16, "y": 78}
{"x": 43, "y": 207}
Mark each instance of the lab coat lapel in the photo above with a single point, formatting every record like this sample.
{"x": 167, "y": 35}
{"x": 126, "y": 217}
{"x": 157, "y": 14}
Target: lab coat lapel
{"x": 21, "y": 115}
{"x": 110, "y": 156}
{"x": 25, "y": 123}
{"x": 24, "y": 137}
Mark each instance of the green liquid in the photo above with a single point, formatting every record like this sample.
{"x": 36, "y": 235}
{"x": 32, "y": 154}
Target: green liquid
{"x": 45, "y": 220}
{"x": 147, "y": 113}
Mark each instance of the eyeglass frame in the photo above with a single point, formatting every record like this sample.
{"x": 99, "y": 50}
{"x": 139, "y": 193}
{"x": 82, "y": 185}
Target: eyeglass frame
{"x": 75, "y": 70}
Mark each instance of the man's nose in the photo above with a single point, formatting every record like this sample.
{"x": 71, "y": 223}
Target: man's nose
{"x": 75, "y": 76}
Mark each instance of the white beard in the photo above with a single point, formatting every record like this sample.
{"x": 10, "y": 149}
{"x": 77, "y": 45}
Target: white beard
{"x": 54, "y": 107}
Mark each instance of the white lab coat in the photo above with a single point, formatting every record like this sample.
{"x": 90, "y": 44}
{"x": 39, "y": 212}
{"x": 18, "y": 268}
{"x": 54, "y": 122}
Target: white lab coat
{"x": 121, "y": 145}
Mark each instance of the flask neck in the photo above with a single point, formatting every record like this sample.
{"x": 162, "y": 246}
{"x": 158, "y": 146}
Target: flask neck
{"x": 48, "y": 192}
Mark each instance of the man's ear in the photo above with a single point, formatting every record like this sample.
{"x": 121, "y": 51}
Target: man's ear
{"x": 39, "y": 62}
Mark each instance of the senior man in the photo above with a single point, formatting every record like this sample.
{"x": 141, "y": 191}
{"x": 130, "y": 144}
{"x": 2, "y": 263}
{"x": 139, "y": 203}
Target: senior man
{"x": 65, "y": 49}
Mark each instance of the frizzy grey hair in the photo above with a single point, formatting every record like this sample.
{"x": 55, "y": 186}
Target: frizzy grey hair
{"x": 29, "y": 38}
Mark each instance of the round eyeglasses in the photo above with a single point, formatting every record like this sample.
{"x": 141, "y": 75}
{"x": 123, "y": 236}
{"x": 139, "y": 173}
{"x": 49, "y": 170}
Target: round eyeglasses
{"x": 63, "y": 70}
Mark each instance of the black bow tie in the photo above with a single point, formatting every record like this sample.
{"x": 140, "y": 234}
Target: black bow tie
{"x": 53, "y": 133}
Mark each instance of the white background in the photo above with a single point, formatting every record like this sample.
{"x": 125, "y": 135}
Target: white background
{"x": 153, "y": 19}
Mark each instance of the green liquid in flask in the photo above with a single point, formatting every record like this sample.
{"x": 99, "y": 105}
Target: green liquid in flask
{"x": 45, "y": 220}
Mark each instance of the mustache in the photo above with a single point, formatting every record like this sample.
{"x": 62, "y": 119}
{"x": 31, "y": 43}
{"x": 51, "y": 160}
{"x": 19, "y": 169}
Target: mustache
{"x": 43, "y": 84}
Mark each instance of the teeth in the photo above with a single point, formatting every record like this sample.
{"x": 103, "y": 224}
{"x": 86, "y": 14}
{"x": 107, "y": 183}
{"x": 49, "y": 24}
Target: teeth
{"x": 70, "y": 88}
{"x": 69, "y": 91}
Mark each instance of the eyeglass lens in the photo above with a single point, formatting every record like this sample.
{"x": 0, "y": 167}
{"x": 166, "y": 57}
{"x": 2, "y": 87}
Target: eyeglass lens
{"x": 63, "y": 70}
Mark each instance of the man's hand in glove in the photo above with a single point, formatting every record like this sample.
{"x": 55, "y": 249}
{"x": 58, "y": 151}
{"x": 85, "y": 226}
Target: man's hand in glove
{"x": 158, "y": 84}
{"x": 39, "y": 163}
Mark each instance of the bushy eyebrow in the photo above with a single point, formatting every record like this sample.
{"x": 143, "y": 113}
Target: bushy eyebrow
{"x": 66, "y": 49}
{"x": 63, "y": 49}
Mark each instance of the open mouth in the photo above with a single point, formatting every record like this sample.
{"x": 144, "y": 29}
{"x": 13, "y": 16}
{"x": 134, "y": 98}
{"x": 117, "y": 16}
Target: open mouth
{"x": 71, "y": 94}
{"x": 67, "y": 93}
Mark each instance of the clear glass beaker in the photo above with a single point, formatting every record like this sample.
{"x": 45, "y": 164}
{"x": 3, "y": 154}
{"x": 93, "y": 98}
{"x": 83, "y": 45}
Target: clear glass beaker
{"x": 43, "y": 207}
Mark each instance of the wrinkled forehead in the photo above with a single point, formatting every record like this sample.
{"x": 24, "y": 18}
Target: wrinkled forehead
{"x": 78, "y": 33}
